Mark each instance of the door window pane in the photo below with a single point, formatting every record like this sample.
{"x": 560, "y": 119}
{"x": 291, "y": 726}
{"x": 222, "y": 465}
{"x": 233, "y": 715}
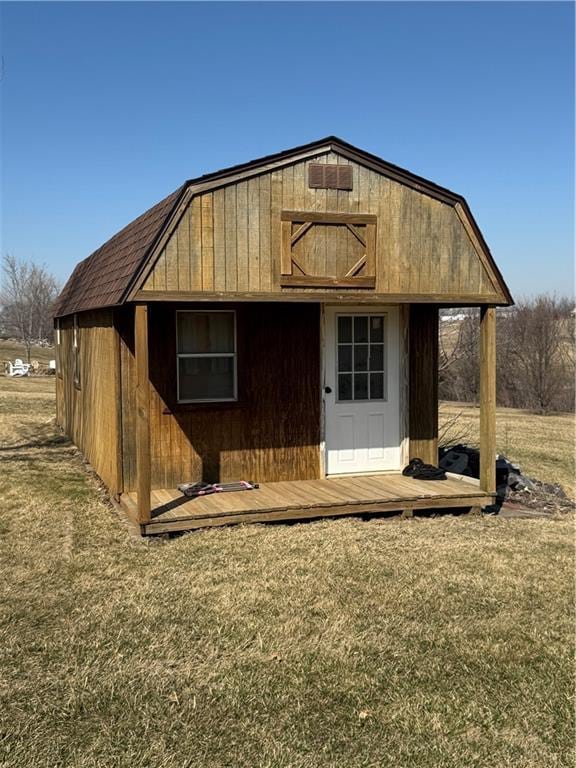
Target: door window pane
{"x": 344, "y": 386}
{"x": 376, "y": 386}
{"x": 377, "y": 328}
{"x": 361, "y": 357}
{"x": 344, "y": 329}
{"x": 345, "y": 357}
{"x": 360, "y": 329}
{"x": 376, "y": 357}
{"x": 360, "y": 386}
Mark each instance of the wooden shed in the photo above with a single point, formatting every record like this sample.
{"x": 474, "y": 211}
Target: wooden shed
{"x": 276, "y": 322}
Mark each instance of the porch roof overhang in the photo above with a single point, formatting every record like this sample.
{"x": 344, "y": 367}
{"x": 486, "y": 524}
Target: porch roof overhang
{"x": 351, "y": 297}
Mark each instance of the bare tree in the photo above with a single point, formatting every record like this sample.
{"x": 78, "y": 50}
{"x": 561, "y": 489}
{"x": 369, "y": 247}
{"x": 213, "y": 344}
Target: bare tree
{"x": 536, "y": 355}
{"x": 458, "y": 360}
{"x": 455, "y": 429}
{"x": 27, "y": 293}
{"x": 43, "y": 292}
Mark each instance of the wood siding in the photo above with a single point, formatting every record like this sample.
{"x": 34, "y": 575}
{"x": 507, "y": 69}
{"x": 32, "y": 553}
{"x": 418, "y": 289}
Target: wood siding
{"x": 89, "y": 413}
{"x": 423, "y": 383}
{"x": 229, "y": 239}
{"x": 270, "y": 434}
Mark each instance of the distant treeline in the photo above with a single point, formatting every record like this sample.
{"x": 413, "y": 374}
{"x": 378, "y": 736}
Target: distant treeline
{"x": 27, "y": 295}
{"x": 535, "y": 356}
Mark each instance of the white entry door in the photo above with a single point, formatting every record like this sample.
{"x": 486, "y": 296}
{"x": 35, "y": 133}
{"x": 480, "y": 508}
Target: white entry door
{"x": 362, "y": 390}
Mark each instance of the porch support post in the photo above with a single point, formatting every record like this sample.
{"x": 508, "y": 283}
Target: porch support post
{"x": 423, "y": 383}
{"x": 143, "y": 474}
{"x": 488, "y": 399}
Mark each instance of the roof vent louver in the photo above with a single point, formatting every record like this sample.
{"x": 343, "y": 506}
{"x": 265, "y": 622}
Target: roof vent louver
{"x": 329, "y": 176}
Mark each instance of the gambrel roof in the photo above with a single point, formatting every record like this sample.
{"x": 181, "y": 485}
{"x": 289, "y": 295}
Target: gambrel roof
{"x": 106, "y": 277}
{"x": 101, "y": 279}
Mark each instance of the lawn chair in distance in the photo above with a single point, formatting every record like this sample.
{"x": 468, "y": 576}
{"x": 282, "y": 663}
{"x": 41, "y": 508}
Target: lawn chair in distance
{"x": 18, "y": 368}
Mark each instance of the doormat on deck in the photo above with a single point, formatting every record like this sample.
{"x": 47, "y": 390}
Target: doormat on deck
{"x": 205, "y": 489}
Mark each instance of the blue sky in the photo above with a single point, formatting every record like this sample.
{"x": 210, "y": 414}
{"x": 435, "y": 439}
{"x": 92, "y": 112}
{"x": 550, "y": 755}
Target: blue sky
{"x": 108, "y": 107}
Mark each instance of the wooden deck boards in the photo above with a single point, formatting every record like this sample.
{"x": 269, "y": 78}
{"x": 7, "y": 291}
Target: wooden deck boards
{"x": 305, "y": 499}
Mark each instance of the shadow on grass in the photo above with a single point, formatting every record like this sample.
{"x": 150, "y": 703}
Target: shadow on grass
{"x": 386, "y": 516}
{"x": 38, "y": 447}
{"x": 35, "y": 461}
{"x": 56, "y": 441}
{"x": 37, "y": 436}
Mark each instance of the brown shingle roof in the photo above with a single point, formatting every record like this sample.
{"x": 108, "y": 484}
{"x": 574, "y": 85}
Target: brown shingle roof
{"x": 102, "y": 278}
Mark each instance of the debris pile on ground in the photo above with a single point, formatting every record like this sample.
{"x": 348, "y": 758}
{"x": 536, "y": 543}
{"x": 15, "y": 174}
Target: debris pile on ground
{"x": 511, "y": 484}
{"x": 544, "y": 497}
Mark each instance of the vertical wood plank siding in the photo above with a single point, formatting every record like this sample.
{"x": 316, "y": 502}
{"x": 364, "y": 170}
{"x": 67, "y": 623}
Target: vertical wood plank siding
{"x": 89, "y": 414}
{"x": 142, "y": 412}
{"x": 423, "y": 382}
{"x": 271, "y": 433}
{"x": 229, "y": 238}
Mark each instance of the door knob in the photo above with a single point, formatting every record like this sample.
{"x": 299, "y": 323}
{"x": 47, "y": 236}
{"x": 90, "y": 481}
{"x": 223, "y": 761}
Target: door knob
{"x": 327, "y": 390}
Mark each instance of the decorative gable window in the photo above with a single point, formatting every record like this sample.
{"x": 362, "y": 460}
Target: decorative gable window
{"x": 206, "y": 356}
{"x": 328, "y": 250}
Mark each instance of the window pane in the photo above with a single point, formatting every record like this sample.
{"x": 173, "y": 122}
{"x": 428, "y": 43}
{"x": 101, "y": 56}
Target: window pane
{"x": 360, "y": 329}
{"x": 344, "y": 329}
{"x": 376, "y": 357}
{"x": 344, "y": 386}
{"x": 377, "y": 328}
{"x": 361, "y": 357}
{"x": 361, "y": 386}
{"x": 376, "y": 386}
{"x": 345, "y": 357}
{"x": 206, "y": 378}
{"x": 201, "y": 332}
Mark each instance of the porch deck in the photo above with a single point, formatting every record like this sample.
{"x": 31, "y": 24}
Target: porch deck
{"x": 301, "y": 499}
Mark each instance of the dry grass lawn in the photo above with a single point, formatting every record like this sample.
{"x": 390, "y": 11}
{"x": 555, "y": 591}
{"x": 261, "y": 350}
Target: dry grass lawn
{"x": 11, "y": 350}
{"x": 440, "y": 643}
